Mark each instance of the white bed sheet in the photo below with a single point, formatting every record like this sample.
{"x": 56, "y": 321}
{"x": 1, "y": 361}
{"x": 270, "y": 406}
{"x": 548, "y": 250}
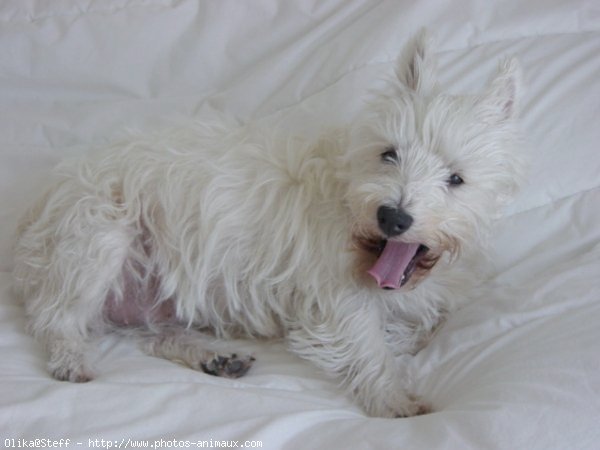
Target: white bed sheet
{"x": 518, "y": 369}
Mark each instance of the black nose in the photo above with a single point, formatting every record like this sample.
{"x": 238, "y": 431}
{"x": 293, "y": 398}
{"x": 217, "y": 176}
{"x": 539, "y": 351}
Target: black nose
{"x": 393, "y": 221}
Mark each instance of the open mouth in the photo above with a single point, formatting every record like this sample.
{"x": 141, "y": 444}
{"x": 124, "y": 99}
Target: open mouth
{"x": 396, "y": 261}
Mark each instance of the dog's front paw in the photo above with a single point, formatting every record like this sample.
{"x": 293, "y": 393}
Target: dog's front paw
{"x": 231, "y": 366}
{"x": 399, "y": 407}
{"x": 416, "y": 407}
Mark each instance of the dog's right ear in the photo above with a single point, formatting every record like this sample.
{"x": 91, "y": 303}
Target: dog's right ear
{"x": 501, "y": 99}
{"x": 416, "y": 67}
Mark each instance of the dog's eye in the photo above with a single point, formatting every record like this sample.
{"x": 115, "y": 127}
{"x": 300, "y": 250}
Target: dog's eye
{"x": 390, "y": 155}
{"x": 455, "y": 180}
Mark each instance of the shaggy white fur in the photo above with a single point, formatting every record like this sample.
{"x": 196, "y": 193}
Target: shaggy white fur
{"x": 241, "y": 231}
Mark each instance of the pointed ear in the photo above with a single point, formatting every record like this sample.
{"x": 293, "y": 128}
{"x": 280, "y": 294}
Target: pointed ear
{"x": 416, "y": 67}
{"x": 500, "y": 102}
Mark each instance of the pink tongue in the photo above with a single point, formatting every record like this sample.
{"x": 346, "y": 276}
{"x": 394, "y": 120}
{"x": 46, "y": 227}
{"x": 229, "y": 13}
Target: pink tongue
{"x": 392, "y": 263}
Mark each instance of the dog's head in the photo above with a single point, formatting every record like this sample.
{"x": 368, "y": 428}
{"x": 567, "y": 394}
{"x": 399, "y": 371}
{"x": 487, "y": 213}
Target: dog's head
{"x": 428, "y": 170}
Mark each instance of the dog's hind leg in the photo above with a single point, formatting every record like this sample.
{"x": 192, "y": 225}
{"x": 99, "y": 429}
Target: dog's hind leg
{"x": 195, "y": 350}
{"x": 73, "y": 318}
{"x": 65, "y": 266}
{"x": 68, "y": 360}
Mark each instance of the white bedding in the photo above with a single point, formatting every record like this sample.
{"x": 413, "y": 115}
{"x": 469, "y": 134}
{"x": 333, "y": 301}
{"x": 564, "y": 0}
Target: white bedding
{"x": 520, "y": 369}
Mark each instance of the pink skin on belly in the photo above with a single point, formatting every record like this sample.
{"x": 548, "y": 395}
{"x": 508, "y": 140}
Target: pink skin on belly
{"x": 138, "y": 305}
{"x": 133, "y": 311}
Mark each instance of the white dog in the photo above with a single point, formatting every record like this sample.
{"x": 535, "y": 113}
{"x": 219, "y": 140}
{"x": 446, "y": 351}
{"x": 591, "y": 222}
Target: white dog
{"x": 348, "y": 247}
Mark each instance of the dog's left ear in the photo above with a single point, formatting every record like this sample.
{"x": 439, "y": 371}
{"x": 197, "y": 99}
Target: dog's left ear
{"x": 416, "y": 67}
{"x": 500, "y": 102}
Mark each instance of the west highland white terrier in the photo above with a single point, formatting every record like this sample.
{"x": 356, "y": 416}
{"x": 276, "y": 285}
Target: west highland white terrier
{"x": 350, "y": 247}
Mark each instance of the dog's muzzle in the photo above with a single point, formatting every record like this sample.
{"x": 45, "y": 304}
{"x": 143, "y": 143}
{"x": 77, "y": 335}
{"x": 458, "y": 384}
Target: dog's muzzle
{"x": 396, "y": 261}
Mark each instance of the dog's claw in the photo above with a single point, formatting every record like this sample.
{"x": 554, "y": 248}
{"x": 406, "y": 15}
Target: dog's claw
{"x": 228, "y": 366}
{"x": 418, "y": 408}
{"x": 72, "y": 375}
